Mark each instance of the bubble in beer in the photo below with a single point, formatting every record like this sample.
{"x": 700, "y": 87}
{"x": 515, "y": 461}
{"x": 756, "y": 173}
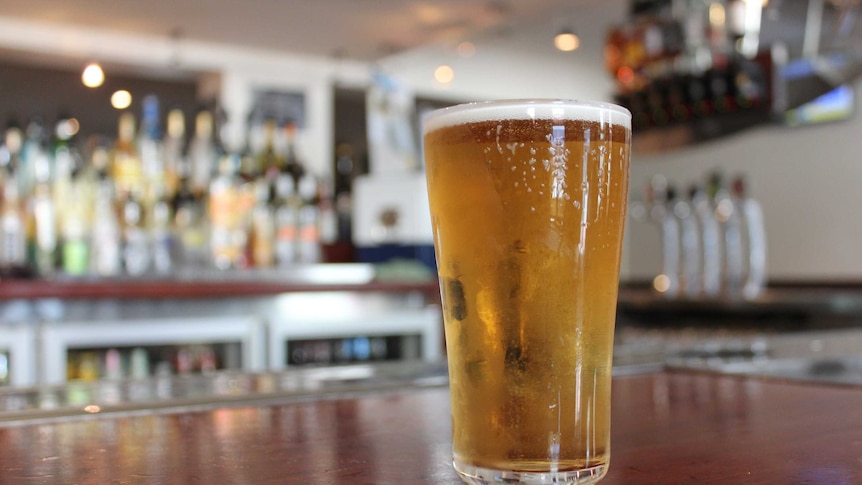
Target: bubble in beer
{"x": 453, "y": 296}
{"x": 515, "y": 358}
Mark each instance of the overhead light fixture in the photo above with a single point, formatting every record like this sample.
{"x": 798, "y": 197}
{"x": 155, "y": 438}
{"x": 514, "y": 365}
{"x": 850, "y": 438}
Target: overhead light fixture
{"x": 93, "y": 75}
{"x": 121, "y": 99}
{"x": 567, "y": 41}
{"x": 444, "y": 74}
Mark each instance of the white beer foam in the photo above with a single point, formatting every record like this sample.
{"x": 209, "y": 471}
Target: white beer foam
{"x": 542, "y": 109}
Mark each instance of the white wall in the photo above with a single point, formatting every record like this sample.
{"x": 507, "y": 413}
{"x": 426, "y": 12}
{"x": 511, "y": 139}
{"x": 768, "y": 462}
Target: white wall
{"x": 808, "y": 179}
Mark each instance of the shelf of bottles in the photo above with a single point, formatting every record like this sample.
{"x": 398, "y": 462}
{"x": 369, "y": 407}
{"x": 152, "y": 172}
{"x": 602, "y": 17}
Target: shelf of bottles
{"x": 678, "y": 63}
{"x": 149, "y": 203}
{"x": 136, "y": 362}
{"x": 352, "y": 329}
{"x": 105, "y": 350}
{"x": 351, "y": 349}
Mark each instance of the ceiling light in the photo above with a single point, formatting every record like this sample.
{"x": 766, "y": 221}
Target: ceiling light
{"x": 121, "y": 99}
{"x": 93, "y": 76}
{"x": 444, "y": 74}
{"x": 567, "y": 41}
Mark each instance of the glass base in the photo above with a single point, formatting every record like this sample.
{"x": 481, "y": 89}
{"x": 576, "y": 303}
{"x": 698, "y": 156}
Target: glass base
{"x": 484, "y": 476}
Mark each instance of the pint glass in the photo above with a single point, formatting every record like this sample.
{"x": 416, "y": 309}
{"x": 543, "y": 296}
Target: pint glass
{"x": 528, "y": 201}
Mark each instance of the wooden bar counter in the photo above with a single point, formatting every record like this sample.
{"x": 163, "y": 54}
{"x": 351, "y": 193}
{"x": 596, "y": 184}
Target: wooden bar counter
{"x": 668, "y": 427}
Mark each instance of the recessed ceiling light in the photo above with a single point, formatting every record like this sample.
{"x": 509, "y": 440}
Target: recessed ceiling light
{"x": 567, "y": 41}
{"x": 121, "y": 99}
{"x": 93, "y": 75}
{"x": 444, "y": 74}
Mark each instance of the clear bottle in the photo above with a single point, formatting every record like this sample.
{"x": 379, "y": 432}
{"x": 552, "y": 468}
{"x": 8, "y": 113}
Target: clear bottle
{"x": 13, "y": 230}
{"x": 136, "y": 248}
{"x": 75, "y": 242}
{"x": 43, "y": 223}
{"x": 35, "y": 159}
{"x": 203, "y": 155}
{"x": 309, "y": 249}
{"x": 106, "y": 236}
{"x": 190, "y": 228}
{"x": 263, "y": 227}
{"x": 126, "y": 168}
{"x": 286, "y": 220}
{"x": 151, "y": 153}
{"x": 224, "y": 216}
{"x": 161, "y": 237}
{"x": 174, "y": 152}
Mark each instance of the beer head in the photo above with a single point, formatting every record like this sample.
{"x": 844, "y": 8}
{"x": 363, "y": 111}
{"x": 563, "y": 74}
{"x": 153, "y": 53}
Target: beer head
{"x": 548, "y": 109}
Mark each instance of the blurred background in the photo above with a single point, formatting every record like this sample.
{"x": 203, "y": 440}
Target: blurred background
{"x": 197, "y": 187}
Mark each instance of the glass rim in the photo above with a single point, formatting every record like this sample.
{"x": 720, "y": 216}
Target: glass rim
{"x": 520, "y": 109}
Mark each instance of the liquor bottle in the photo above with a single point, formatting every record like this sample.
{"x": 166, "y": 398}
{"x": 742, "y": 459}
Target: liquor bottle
{"x": 286, "y": 220}
{"x": 139, "y": 363}
{"x": 263, "y": 227}
{"x": 751, "y": 214}
{"x": 224, "y": 216}
{"x": 13, "y": 237}
{"x": 309, "y": 250}
{"x": 190, "y": 227}
{"x": 203, "y": 155}
{"x": 151, "y": 153}
{"x": 35, "y": 159}
{"x": 43, "y": 230}
{"x": 11, "y": 163}
{"x": 344, "y": 174}
{"x": 126, "y": 168}
{"x": 293, "y": 164}
{"x": 106, "y": 236}
{"x": 75, "y": 217}
{"x": 161, "y": 237}
{"x": 268, "y": 160}
{"x": 174, "y": 152}
{"x": 136, "y": 249}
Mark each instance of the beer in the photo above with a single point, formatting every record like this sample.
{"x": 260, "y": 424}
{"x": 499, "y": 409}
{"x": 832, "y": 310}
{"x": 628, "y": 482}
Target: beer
{"x": 527, "y": 204}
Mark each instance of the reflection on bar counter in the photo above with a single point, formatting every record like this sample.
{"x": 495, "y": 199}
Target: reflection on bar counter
{"x": 713, "y": 239}
{"x": 148, "y": 203}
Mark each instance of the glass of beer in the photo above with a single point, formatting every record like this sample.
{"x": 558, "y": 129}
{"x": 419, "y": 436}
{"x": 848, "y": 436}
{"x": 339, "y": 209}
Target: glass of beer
{"x": 528, "y": 201}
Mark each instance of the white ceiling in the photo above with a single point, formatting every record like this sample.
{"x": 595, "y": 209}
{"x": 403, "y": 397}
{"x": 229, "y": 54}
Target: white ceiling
{"x": 364, "y": 30}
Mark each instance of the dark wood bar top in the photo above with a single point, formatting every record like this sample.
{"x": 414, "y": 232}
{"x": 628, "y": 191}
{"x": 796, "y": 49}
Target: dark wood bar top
{"x": 668, "y": 428}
